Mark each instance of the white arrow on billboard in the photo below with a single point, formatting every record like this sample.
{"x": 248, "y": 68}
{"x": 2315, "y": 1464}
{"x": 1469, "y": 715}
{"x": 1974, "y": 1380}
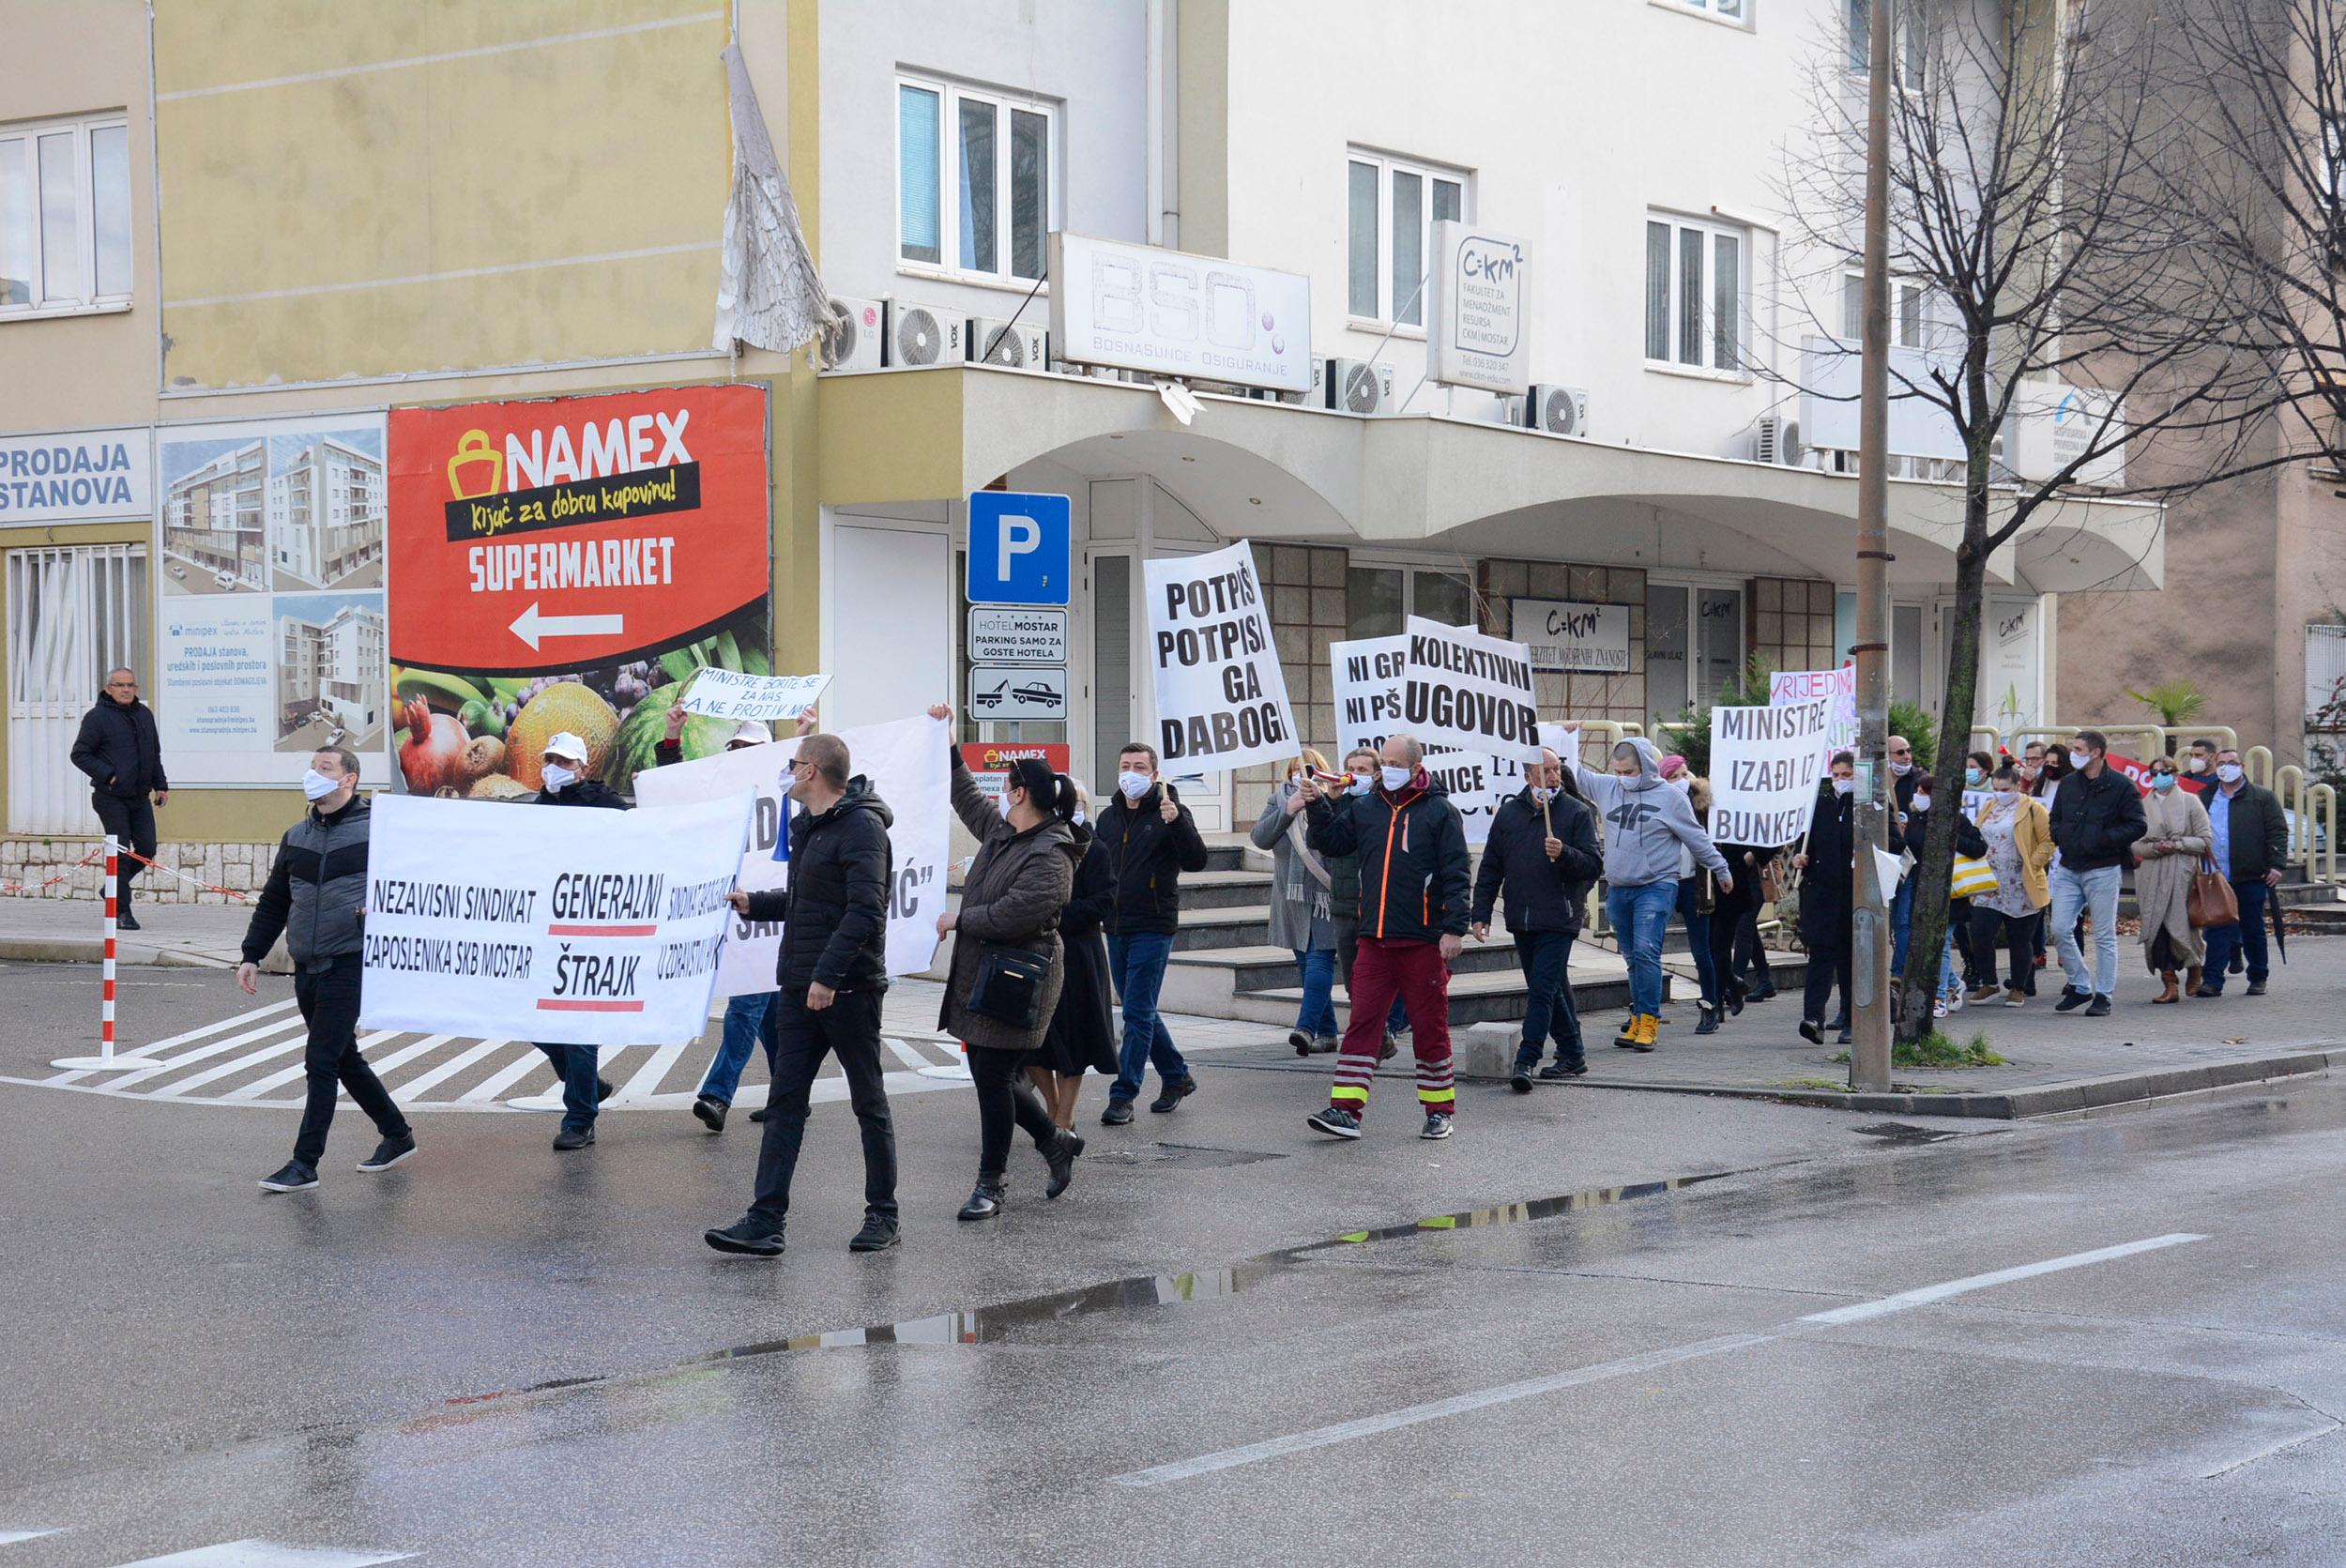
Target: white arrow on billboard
{"x": 531, "y": 626}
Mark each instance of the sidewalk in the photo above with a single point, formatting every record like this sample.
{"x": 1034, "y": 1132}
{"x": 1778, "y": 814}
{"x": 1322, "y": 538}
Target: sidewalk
{"x": 182, "y": 936}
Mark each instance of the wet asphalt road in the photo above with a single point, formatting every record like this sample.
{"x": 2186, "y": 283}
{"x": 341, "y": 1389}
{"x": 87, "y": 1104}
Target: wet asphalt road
{"x": 1184, "y": 1359}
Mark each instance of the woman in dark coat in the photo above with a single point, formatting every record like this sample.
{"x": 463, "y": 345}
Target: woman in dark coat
{"x": 1082, "y": 1036}
{"x": 1011, "y": 898}
{"x": 1827, "y": 861}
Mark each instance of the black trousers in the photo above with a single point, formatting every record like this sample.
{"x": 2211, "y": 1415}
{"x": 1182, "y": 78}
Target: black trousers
{"x": 132, "y": 824}
{"x": 851, "y": 1028}
{"x": 1006, "y": 1096}
{"x": 330, "y": 1005}
{"x": 2021, "y": 934}
{"x": 1732, "y": 912}
{"x": 1751, "y": 955}
{"x": 1828, "y": 965}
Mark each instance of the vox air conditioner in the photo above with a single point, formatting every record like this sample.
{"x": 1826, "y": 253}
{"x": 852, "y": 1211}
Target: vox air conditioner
{"x": 1776, "y": 440}
{"x": 1020, "y": 348}
{"x": 1353, "y": 386}
{"x": 924, "y": 335}
{"x": 859, "y": 336}
{"x": 1556, "y": 410}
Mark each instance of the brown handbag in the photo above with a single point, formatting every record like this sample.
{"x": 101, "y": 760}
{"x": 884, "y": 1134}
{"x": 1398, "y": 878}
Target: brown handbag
{"x": 2211, "y": 901}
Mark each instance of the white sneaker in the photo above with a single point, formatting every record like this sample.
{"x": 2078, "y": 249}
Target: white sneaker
{"x": 1938, "y": 1010}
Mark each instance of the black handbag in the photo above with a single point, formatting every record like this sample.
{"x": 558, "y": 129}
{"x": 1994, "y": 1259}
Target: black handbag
{"x": 1010, "y": 980}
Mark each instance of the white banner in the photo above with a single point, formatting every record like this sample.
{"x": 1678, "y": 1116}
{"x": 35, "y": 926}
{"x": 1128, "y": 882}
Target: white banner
{"x": 1565, "y": 635}
{"x": 523, "y": 922}
{"x": 1792, "y": 686}
{"x": 906, "y": 764}
{"x": 1221, "y": 699}
{"x": 1765, "y": 763}
{"x": 1367, "y": 691}
{"x": 736, "y": 694}
{"x": 1466, "y": 691}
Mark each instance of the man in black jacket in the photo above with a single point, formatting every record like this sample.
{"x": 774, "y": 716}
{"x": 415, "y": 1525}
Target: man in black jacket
{"x": 831, "y": 977}
{"x": 2096, "y": 818}
{"x": 1413, "y": 922}
{"x": 583, "y": 1091}
{"x": 315, "y": 898}
{"x": 1543, "y": 852}
{"x": 117, "y": 747}
{"x": 1150, "y": 839}
{"x": 2250, "y": 843}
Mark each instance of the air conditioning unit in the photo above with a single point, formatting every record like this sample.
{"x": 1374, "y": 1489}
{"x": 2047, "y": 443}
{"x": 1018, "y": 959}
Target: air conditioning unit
{"x": 860, "y": 338}
{"x": 1558, "y": 410}
{"x": 1353, "y": 386}
{"x": 1778, "y": 440}
{"x": 996, "y": 341}
{"x": 924, "y": 334}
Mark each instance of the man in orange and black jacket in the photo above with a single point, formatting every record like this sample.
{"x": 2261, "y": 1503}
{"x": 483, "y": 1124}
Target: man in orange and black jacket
{"x": 1413, "y": 921}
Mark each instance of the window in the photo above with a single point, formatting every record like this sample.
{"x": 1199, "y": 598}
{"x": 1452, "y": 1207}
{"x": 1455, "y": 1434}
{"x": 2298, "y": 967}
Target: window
{"x": 1906, "y": 43}
{"x": 1694, "y": 295}
{"x": 1390, "y": 210}
{"x": 1906, "y": 312}
{"x": 1380, "y": 599}
{"x": 1730, "y": 10}
{"x": 976, "y": 181}
{"x": 64, "y": 215}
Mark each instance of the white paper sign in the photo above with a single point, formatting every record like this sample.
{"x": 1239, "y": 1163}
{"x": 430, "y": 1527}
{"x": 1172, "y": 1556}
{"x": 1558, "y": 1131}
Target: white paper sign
{"x": 1221, "y": 699}
{"x": 1469, "y": 691}
{"x": 1765, "y": 763}
{"x": 1790, "y": 686}
{"x": 1368, "y": 693}
{"x": 519, "y": 921}
{"x": 907, "y": 766}
{"x": 733, "y": 695}
{"x": 1563, "y": 636}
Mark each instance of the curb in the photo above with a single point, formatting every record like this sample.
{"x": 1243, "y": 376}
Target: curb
{"x": 87, "y": 950}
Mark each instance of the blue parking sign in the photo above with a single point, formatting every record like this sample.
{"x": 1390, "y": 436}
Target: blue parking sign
{"x": 1020, "y": 548}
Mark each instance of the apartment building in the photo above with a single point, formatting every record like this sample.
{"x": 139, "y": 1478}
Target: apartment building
{"x": 332, "y": 668}
{"x": 325, "y": 513}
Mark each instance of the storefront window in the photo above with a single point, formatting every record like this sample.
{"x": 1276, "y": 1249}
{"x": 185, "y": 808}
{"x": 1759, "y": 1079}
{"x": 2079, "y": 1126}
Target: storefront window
{"x": 1373, "y": 600}
{"x": 1722, "y": 640}
{"x": 1666, "y": 644}
{"x": 1443, "y": 597}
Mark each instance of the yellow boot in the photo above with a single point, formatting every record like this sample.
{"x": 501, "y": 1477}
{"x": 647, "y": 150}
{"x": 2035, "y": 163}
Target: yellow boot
{"x": 1649, "y": 1028}
{"x": 1627, "y": 1038}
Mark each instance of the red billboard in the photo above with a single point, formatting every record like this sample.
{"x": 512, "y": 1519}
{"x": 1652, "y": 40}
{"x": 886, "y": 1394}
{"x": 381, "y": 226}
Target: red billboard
{"x": 565, "y": 564}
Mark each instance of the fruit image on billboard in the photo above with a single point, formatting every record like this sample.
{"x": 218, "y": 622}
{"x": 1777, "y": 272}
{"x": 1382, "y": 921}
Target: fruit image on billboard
{"x": 565, "y": 565}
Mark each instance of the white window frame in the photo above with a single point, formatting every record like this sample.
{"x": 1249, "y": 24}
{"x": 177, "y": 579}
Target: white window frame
{"x": 1728, "y": 13}
{"x": 950, "y": 95}
{"x": 1906, "y": 46}
{"x": 1903, "y": 292}
{"x": 21, "y": 140}
{"x": 1387, "y": 166}
{"x": 1712, "y": 231}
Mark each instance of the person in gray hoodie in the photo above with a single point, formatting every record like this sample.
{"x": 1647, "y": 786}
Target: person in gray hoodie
{"x": 1647, "y": 822}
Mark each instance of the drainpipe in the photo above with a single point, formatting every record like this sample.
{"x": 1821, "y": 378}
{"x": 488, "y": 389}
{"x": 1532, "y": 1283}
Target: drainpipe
{"x": 1164, "y": 224}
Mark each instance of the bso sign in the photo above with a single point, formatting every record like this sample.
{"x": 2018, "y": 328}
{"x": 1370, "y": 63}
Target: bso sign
{"x": 1147, "y": 309}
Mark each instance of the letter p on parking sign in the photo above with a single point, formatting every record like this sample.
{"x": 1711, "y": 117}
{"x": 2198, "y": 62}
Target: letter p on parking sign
{"x": 1020, "y": 548}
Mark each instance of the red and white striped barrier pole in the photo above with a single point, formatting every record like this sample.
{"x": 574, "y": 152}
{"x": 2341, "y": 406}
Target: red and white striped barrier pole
{"x": 105, "y": 1061}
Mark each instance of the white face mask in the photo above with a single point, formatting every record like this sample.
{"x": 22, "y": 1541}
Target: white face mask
{"x": 1005, "y": 805}
{"x": 1922, "y": 803}
{"x": 2228, "y": 772}
{"x": 2078, "y": 759}
{"x": 559, "y": 778}
{"x": 1395, "y": 778}
{"x": 1542, "y": 794}
{"x": 1901, "y": 768}
{"x": 1362, "y": 784}
{"x": 1079, "y": 819}
{"x": 317, "y": 787}
{"x": 1294, "y": 778}
{"x": 1135, "y": 785}
{"x": 1845, "y": 786}
{"x": 2197, "y": 765}
{"x": 2004, "y": 793}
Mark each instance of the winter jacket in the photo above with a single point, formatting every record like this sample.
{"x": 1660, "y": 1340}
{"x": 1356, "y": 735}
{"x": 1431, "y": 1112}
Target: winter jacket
{"x": 117, "y": 747}
{"x": 1413, "y": 857}
{"x": 1827, "y": 883}
{"x": 1542, "y": 894}
{"x": 1649, "y": 821}
{"x": 1012, "y": 897}
{"x": 2162, "y": 882}
{"x": 583, "y": 792}
{"x": 1301, "y": 886}
{"x": 2257, "y": 832}
{"x": 317, "y": 892}
{"x": 835, "y": 908}
{"x": 2096, "y": 821}
{"x": 1149, "y": 855}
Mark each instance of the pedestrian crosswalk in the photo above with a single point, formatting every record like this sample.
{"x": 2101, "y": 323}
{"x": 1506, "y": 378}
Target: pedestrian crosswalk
{"x": 247, "y": 1553}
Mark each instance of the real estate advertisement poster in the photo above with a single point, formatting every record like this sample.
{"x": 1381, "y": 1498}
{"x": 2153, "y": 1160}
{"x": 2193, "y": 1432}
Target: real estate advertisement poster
{"x": 567, "y": 564}
{"x": 270, "y": 610}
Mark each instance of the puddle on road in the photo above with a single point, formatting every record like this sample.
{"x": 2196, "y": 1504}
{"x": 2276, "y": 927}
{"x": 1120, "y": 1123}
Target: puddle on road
{"x": 1906, "y": 1132}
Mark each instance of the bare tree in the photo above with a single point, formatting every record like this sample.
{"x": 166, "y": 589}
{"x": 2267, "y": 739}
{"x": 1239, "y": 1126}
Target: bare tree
{"x": 2029, "y": 205}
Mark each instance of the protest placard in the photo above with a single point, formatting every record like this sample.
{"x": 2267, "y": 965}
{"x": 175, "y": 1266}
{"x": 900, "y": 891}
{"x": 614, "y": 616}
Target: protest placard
{"x": 1765, "y": 763}
{"x": 1466, "y": 691}
{"x": 1367, "y": 691}
{"x": 1221, "y": 699}
{"x": 504, "y": 921}
{"x": 1790, "y": 686}
{"x": 907, "y": 765}
{"x": 736, "y": 694}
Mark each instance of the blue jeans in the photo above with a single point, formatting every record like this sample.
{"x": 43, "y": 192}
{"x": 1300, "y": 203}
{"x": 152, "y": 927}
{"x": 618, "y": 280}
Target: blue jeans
{"x": 1639, "y": 917}
{"x": 2096, "y": 892}
{"x": 2249, "y": 934}
{"x": 745, "y": 1027}
{"x": 1317, "y": 1016}
{"x": 1547, "y": 1010}
{"x": 1698, "y": 937}
{"x": 575, "y": 1065}
{"x": 1137, "y": 964}
{"x": 1901, "y": 922}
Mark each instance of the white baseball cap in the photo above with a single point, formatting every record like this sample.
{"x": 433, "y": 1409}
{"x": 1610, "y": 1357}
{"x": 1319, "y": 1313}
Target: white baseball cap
{"x": 750, "y": 732}
{"x": 569, "y": 747}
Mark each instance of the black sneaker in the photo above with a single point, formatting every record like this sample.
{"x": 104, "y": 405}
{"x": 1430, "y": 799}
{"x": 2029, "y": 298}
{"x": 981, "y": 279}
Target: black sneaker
{"x": 1174, "y": 1093}
{"x": 2073, "y": 999}
{"x": 568, "y": 1139}
{"x": 1708, "y": 1023}
{"x": 1119, "y": 1113}
{"x": 389, "y": 1152}
{"x": 877, "y": 1234}
{"x": 1335, "y": 1121}
{"x": 760, "y": 1114}
{"x": 1844, "y": 1038}
{"x": 985, "y": 1201}
{"x": 751, "y": 1237}
{"x": 2256, "y": 988}
{"x": 2098, "y": 1007}
{"x": 605, "y": 1089}
{"x": 1812, "y": 1032}
{"x": 125, "y": 923}
{"x": 711, "y": 1112}
{"x": 1521, "y": 1081}
{"x": 294, "y": 1177}
{"x": 1062, "y": 1157}
{"x": 1556, "y": 1072}
{"x": 1436, "y": 1125}
{"x": 2238, "y": 964}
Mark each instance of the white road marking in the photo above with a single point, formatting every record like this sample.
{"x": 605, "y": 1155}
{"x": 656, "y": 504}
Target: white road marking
{"x": 648, "y": 1077}
{"x": 254, "y": 1017}
{"x": 267, "y": 1553}
{"x": 1369, "y": 1427}
{"x": 259, "y": 1087}
{"x": 150, "y": 1066}
{"x": 498, "y": 1082}
{"x": 2279, "y": 1445}
{"x": 413, "y": 1089}
{"x": 8, "y": 1537}
{"x": 905, "y": 1053}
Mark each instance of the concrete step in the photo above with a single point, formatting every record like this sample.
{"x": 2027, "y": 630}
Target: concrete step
{"x": 1225, "y": 890}
{"x": 1238, "y": 926}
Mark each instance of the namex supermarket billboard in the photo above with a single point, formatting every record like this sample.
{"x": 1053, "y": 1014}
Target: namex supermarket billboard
{"x": 566, "y": 563}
